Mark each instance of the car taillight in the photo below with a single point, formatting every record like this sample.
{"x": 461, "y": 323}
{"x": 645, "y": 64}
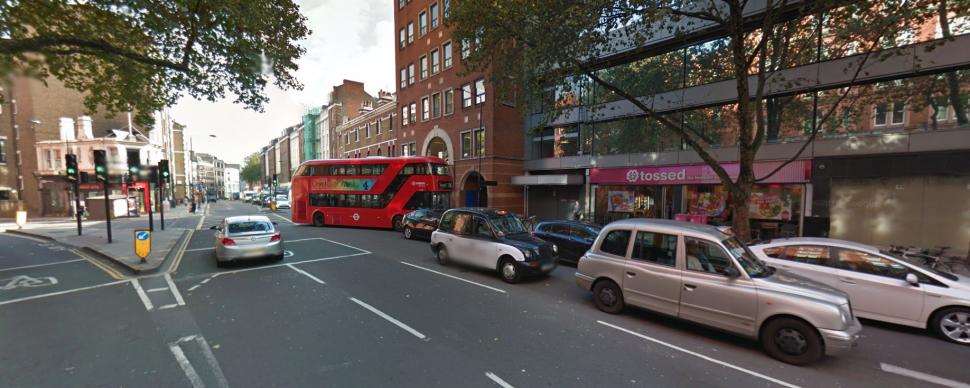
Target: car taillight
{"x": 228, "y": 241}
{"x": 276, "y": 237}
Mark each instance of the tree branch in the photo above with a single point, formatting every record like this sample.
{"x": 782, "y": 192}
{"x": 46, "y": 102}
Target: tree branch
{"x": 43, "y": 44}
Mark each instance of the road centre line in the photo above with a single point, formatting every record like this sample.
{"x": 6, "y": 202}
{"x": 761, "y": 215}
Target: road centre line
{"x": 41, "y": 265}
{"x": 24, "y": 299}
{"x": 498, "y": 380}
{"x": 454, "y": 277}
{"x": 306, "y": 273}
{"x": 157, "y": 289}
{"x": 888, "y": 368}
{"x": 235, "y": 271}
{"x": 389, "y": 318}
{"x": 141, "y": 294}
{"x": 202, "y": 220}
{"x": 199, "y": 249}
{"x": 701, "y": 356}
{"x": 175, "y": 290}
{"x": 178, "y": 257}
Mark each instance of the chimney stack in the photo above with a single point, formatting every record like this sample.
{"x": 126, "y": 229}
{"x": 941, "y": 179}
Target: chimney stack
{"x": 66, "y": 127}
{"x": 84, "y": 130}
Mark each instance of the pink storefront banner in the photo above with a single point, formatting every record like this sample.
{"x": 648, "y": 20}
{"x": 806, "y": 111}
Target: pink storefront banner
{"x": 799, "y": 171}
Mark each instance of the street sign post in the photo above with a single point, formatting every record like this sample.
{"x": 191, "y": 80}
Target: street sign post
{"x": 143, "y": 243}
{"x": 70, "y": 164}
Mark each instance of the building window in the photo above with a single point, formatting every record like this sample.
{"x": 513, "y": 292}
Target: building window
{"x": 410, "y": 32}
{"x": 446, "y": 53}
{"x": 899, "y": 113}
{"x": 480, "y": 142}
{"x": 435, "y": 61}
{"x": 425, "y": 109}
{"x": 411, "y": 74}
{"x": 480, "y": 91}
{"x": 3, "y": 150}
{"x": 436, "y": 105}
{"x": 466, "y": 49}
{"x": 445, "y": 7}
{"x": 880, "y": 114}
{"x": 357, "y": 135}
{"x": 466, "y": 95}
{"x": 379, "y": 122}
{"x": 466, "y": 145}
{"x": 423, "y": 66}
{"x": 941, "y": 106}
{"x": 404, "y": 116}
{"x": 401, "y": 38}
{"x": 404, "y": 78}
{"x": 414, "y": 113}
{"x": 449, "y": 101}
{"x": 423, "y": 22}
{"x": 400, "y": 4}
{"x": 409, "y": 149}
{"x": 5, "y": 195}
{"x": 433, "y": 9}
{"x": 367, "y": 131}
{"x": 346, "y": 138}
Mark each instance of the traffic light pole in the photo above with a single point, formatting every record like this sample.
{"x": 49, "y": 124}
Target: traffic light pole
{"x": 107, "y": 209}
{"x": 151, "y": 218}
{"x": 161, "y": 207}
{"x": 77, "y": 206}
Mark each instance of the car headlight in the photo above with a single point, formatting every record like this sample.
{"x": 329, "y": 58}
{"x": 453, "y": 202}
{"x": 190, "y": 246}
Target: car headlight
{"x": 527, "y": 253}
{"x": 555, "y": 248}
{"x": 845, "y": 311}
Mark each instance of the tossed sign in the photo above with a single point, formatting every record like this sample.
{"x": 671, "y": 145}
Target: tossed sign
{"x": 143, "y": 243}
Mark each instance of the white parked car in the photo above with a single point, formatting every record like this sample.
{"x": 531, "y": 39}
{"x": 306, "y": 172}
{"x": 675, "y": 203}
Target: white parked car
{"x": 881, "y": 286}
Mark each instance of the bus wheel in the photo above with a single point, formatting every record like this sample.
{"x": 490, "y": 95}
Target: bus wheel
{"x": 317, "y": 219}
{"x": 396, "y": 223}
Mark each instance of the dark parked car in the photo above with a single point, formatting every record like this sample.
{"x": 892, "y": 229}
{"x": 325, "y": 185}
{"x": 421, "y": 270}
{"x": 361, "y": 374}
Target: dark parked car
{"x": 573, "y": 238}
{"x": 420, "y": 223}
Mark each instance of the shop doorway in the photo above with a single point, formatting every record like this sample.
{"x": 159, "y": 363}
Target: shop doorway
{"x": 475, "y": 191}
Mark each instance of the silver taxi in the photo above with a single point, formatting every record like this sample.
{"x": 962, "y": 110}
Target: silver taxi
{"x": 247, "y": 237}
{"x": 699, "y": 273}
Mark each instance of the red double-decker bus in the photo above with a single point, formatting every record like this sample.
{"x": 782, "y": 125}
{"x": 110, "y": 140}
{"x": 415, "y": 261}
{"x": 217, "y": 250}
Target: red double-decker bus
{"x": 371, "y": 192}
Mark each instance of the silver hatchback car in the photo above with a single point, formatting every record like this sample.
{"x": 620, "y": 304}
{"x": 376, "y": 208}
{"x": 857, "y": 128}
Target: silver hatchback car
{"x": 881, "y": 286}
{"x": 698, "y": 273}
{"x": 247, "y": 237}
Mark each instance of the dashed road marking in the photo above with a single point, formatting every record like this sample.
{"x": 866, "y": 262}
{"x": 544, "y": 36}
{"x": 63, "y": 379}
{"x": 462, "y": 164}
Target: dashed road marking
{"x": 389, "y": 318}
{"x": 888, "y": 368}
{"x": 187, "y": 367}
{"x": 40, "y": 265}
{"x": 497, "y": 380}
{"x": 159, "y": 289}
{"x": 199, "y": 249}
{"x": 454, "y": 277}
{"x": 175, "y": 290}
{"x": 314, "y": 278}
{"x": 701, "y": 356}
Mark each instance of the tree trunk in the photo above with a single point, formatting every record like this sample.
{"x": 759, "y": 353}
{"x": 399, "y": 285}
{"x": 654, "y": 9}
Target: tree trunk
{"x": 740, "y": 216}
{"x": 953, "y": 84}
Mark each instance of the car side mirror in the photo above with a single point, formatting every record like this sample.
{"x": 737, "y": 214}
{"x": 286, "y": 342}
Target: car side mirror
{"x": 215, "y": 227}
{"x": 912, "y": 279}
{"x": 275, "y": 223}
{"x": 732, "y": 272}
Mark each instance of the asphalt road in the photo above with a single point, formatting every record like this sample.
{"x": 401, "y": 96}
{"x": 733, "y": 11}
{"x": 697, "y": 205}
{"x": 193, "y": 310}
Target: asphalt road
{"x": 359, "y": 307}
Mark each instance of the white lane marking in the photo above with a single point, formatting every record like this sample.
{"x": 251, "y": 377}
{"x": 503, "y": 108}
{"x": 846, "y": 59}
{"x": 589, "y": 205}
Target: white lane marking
{"x": 62, "y": 292}
{"x": 303, "y": 239}
{"x": 168, "y": 306}
{"x": 295, "y": 262}
{"x": 202, "y": 220}
{"x": 160, "y": 289}
{"x": 198, "y": 249}
{"x": 498, "y": 380}
{"x": 141, "y": 294}
{"x": 283, "y": 218}
{"x": 210, "y": 358}
{"x": 454, "y": 277}
{"x": 175, "y": 290}
{"x": 186, "y": 366}
{"x": 204, "y": 281}
{"x": 40, "y": 265}
{"x": 306, "y": 273}
{"x": 701, "y": 356}
{"x": 340, "y": 243}
{"x": 922, "y": 376}
{"x": 388, "y": 318}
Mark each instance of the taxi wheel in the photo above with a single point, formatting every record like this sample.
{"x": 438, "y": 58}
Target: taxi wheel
{"x": 442, "y": 255}
{"x": 608, "y": 297}
{"x": 509, "y": 271}
{"x": 791, "y": 341}
{"x": 408, "y": 233}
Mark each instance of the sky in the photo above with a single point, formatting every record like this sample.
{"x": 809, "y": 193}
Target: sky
{"x": 350, "y": 39}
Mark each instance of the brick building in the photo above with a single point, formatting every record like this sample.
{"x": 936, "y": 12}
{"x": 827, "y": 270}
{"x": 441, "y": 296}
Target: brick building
{"x": 346, "y": 101}
{"x": 372, "y": 133}
{"x": 458, "y": 117}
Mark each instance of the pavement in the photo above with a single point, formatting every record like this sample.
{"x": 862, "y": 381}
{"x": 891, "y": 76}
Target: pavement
{"x": 360, "y": 307}
{"x": 179, "y": 224}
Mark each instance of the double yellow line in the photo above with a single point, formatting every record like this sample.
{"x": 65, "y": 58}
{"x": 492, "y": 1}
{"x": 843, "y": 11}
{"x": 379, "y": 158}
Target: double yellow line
{"x": 181, "y": 252}
{"x": 104, "y": 267}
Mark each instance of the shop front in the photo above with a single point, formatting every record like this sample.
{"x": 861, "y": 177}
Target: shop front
{"x": 693, "y": 192}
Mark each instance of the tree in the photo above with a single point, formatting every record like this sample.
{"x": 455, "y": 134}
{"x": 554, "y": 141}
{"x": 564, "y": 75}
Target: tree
{"x": 536, "y": 47}
{"x": 143, "y": 55}
{"x": 250, "y": 171}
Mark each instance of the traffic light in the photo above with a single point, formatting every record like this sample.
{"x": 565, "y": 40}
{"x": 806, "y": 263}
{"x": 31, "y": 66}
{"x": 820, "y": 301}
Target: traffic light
{"x": 163, "y": 170}
{"x": 134, "y": 166}
{"x": 276, "y": 181}
{"x": 101, "y": 165}
{"x": 70, "y": 161}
